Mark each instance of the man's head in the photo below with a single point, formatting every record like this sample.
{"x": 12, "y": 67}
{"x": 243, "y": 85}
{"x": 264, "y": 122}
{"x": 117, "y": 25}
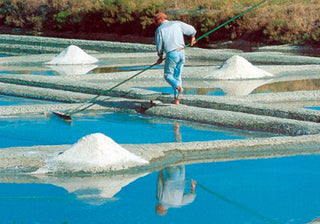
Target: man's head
{"x": 159, "y": 18}
{"x": 161, "y": 210}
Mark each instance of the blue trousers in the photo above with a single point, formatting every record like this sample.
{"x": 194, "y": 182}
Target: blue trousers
{"x": 173, "y": 69}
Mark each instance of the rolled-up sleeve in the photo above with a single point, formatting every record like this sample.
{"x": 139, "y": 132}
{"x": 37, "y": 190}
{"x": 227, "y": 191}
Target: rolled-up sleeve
{"x": 187, "y": 29}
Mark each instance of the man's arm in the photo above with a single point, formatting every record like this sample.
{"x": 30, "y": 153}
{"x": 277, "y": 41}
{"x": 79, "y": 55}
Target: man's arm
{"x": 160, "y": 185}
{"x": 193, "y": 40}
{"x": 193, "y": 185}
{"x": 159, "y": 46}
{"x": 189, "y": 197}
{"x": 160, "y": 60}
{"x": 187, "y": 29}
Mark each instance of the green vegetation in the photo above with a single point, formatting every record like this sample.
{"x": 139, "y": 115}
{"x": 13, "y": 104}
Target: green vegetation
{"x": 276, "y": 21}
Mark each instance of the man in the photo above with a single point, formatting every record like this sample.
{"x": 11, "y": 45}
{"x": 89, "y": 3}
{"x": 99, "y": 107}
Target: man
{"x": 170, "y": 40}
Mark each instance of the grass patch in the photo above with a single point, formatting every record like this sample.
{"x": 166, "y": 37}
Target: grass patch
{"x": 274, "y": 22}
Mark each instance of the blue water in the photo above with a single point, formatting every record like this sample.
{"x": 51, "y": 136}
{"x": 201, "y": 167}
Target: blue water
{"x": 46, "y": 71}
{"x": 313, "y": 108}
{"x": 281, "y": 190}
{"x": 190, "y": 91}
{"x": 12, "y": 100}
{"x": 139, "y": 67}
{"x": 121, "y": 127}
{"x": 39, "y": 72}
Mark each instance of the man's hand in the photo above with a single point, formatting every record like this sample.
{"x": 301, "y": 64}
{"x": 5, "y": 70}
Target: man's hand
{"x": 193, "y": 185}
{"x": 159, "y": 61}
{"x": 193, "y": 41}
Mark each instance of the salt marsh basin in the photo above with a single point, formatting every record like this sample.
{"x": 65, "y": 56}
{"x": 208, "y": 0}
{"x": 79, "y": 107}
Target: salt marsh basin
{"x": 277, "y": 120}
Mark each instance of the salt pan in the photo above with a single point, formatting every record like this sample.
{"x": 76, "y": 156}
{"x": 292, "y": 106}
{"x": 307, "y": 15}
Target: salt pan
{"x": 72, "y": 55}
{"x": 238, "y": 67}
{"x": 93, "y": 153}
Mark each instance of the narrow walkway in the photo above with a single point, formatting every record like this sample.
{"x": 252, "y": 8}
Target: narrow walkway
{"x": 29, "y": 159}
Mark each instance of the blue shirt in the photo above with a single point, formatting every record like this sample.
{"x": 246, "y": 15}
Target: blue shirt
{"x": 169, "y": 35}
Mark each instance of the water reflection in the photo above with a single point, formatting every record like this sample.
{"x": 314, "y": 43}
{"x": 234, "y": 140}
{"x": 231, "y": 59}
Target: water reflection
{"x": 238, "y": 87}
{"x": 171, "y": 189}
{"x": 93, "y": 189}
{"x": 73, "y": 69}
{"x": 171, "y": 184}
{"x": 242, "y": 87}
{"x": 289, "y": 86}
{"x": 177, "y": 134}
{"x": 219, "y": 87}
{"x": 246, "y": 87}
{"x": 275, "y": 190}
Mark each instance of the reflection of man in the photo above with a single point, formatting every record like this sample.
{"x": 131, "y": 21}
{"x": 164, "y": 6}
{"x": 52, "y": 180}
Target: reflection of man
{"x": 176, "y": 130}
{"x": 170, "y": 189}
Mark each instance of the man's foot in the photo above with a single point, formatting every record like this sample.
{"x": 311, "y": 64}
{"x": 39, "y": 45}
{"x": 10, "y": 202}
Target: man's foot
{"x": 179, "y": 89}
{"x": 176, "y": 101}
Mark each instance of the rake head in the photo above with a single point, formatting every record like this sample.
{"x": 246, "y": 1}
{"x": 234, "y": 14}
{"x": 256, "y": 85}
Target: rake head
{"x": 62, "y": 115}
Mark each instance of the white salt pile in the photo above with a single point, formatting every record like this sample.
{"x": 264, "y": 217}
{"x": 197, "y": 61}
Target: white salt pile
{"x": 72, "y": 55}
{"x": 93, "y": 153}
{"x": 238, "y": 67}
